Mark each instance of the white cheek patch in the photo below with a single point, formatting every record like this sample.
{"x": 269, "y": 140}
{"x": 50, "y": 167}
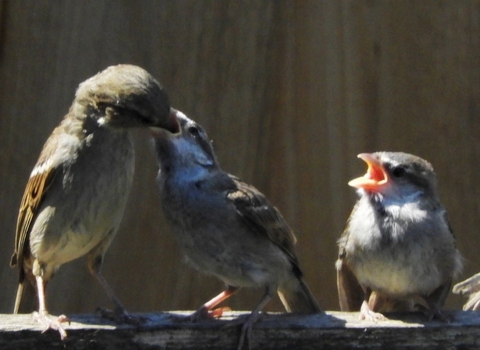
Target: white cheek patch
{"x": 409, "y": 212}
{"x": 406, "y": 207}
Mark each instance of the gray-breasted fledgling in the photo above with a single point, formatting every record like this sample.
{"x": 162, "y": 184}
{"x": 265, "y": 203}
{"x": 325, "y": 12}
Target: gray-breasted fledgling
{"x": 77, "y": 191}
{"x": 397, "y": 248}
{"x": 226, "y": 227}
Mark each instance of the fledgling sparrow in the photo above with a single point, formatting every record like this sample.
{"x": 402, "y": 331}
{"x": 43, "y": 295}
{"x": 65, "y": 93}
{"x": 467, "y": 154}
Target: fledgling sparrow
{"x": 397, "y": 248}
{"x": 470, "y": 288}
{"x": 77, "y": 191}
{"x": 226, "y": 227}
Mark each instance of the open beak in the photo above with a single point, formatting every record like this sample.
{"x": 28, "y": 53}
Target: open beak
{"x": 376, "y": 176}
{"x": 172, "y": 126}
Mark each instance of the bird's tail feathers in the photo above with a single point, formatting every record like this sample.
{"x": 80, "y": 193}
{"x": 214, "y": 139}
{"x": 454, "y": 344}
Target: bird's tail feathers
{"x": 18, "y": 298}
{"x": 296, "y": 297}
{"x": 25, "y": 301}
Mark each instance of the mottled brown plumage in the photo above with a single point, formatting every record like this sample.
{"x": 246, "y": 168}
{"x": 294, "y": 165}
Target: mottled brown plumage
{"x": 74, "y": 200}
{"x": 226, "y": 227}
{"x": 263, "y": 218}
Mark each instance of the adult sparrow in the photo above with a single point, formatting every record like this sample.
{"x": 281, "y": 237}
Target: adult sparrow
{"x": 470, "y": 288}
{"x": 226, "y": 227}
{"x": 397, "y": 248}
{"x": 77, "y": 191}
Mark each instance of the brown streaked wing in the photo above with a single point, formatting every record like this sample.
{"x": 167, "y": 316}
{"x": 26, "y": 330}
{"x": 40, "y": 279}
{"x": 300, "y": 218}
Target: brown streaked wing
{"x": 33, "y": 196}
{"x": 263, "y": 218}
{"x": 350, "y": 293}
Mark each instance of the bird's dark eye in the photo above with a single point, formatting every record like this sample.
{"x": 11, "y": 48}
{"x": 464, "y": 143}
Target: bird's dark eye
{"x": 193, "y": 130}
{"x": 398, "y": 171}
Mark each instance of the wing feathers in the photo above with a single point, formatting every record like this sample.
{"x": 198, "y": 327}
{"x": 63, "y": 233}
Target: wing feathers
{"x": 34, "y": 195}
{"x": 263, "y": 218}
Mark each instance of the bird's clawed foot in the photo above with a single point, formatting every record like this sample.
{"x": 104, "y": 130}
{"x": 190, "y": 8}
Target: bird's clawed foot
{"x": 205, "y": 314}
{"x": 247, "y": 327}
{"x": 200, "y": 315}
{"x": 368, "y": 314}
{"x": 120, "y": 316}
{"x": 50, "y": 322}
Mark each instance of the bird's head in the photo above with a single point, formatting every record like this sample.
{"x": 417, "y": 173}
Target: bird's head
{"x": 188, "y": 148}
{"x": 396, "y": 174}
{"x": 125, "y": 96}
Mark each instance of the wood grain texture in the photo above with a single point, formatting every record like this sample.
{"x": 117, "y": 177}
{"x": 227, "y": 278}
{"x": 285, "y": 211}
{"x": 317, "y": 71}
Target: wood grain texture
{"x": 290, "y": 92}
{"x": 335, "y": 330}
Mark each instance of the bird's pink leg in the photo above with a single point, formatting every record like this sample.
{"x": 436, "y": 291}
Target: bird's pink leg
{"x": 206, "y": 310}
{"x": 43, "y": 317}
{"x": 369, "y": 315}
{"x": 366, "y": 313}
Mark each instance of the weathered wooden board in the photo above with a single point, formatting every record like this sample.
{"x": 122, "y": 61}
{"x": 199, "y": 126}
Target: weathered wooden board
{"x": 335, "y": 330}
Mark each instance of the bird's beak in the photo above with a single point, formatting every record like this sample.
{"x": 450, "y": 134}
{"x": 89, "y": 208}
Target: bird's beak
{"x": 172, "y": 126}
{"x": 376, "y": 176}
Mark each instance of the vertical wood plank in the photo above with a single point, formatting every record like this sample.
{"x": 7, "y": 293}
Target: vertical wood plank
{"x": 290, "y": 92}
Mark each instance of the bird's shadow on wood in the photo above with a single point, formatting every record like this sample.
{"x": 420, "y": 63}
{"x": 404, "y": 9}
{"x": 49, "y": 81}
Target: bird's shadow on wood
{"x": 418, "y": 317}
{"x": 182, "y": 320}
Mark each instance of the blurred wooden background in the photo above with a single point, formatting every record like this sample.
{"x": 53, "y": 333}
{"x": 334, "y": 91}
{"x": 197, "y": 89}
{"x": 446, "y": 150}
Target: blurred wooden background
{"x": 290, "y": 92}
